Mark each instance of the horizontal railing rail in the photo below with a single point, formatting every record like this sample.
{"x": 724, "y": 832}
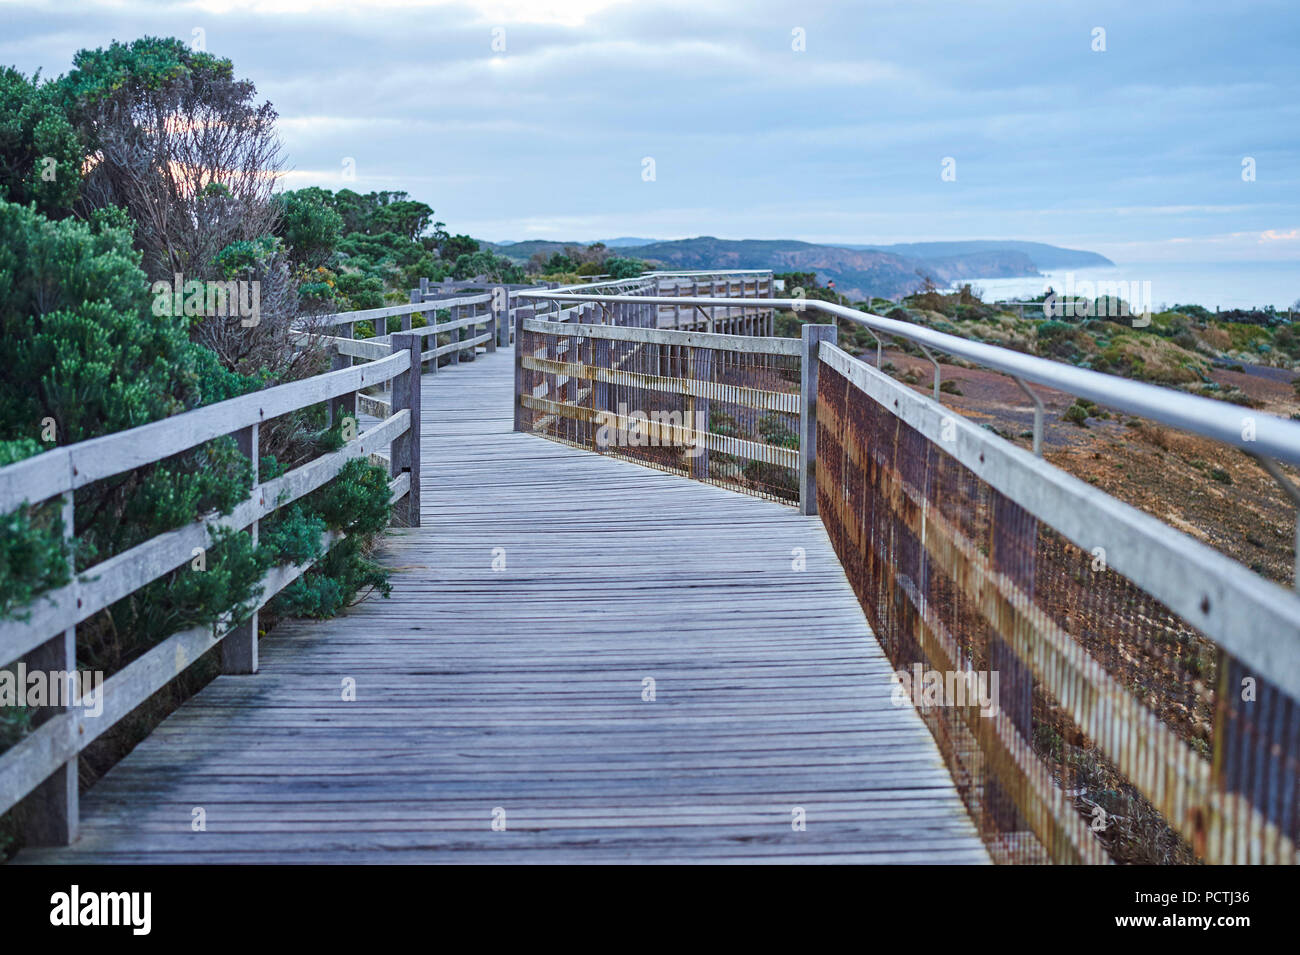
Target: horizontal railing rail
{"x": 474, "y": 320}
{"x": 393, "y": 311}
{"x": 40, "y": 769}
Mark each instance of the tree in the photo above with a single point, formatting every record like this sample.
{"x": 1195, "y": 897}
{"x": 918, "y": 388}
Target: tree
{"x": 85, "y": 355}
{"x": 406, "y": 218}
{"x": 181, "y": 166}
{"x": 623, "y": 268}
{"x": 163, "y": 123}
{"x": 79, "y": 340}
{"x": 457, "y": 245}
{"x": 494, "y": 268}
{"x": 40, "y": 152}
{"x": 310, "y": 226}
{"x": 559, "y": 262}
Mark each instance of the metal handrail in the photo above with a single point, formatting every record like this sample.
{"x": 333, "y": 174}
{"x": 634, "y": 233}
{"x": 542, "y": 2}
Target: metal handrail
{"x": 1273, "y": 437}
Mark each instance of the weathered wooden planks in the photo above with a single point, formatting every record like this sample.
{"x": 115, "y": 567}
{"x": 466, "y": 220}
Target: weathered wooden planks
{"x": 521, "y": 689}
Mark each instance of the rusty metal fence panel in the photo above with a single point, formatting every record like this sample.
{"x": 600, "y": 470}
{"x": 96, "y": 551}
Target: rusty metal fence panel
{"x": 722, "y": 409}
{"x": 1029, "y": 617}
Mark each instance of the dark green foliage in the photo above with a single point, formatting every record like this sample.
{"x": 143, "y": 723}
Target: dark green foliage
{"x": 1077, "y": 414}
{"x": 111, "y": 217}
{"x": 495, "y": 268}
{"x": 356, "y": 502}
{"x": 559, "y": 262}
{"x": 360, "y": 291}
{"x": 78, "y": 339}
{"x": 32, "y": 557}
{"x": 618, "y": 267}
{"x": 146, "y": 65}
{"x": 227, "y": 588}
{"x": 794, "y": 280}
{"x": 379, "y": 212}
{"x": 245, "y": 254}
{"x": 40, "y": 151}
{"x": 293, "y": 534}
{"x": 458, "y": 245}
{"x": 310, "y": 226}
{"x": 85, "y": 353}
{"x": 1197, "y": 312}
{"x": 775, "y": 432}
{"x": 333, "y": 583}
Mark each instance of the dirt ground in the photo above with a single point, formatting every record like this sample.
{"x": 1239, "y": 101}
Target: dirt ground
{"x": 1218, "y": 495}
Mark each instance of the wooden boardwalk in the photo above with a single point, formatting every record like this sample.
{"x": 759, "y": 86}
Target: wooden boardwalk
{"x": 517, "y": 693}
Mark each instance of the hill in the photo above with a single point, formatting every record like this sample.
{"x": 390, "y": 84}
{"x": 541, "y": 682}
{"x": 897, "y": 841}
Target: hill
{"x": 858, "y": 271}
{"x": 1043, "y": 255}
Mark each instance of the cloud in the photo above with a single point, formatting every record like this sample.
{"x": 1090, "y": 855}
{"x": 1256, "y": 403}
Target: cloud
{"x": 570, "y": 13}
{"x": 1137, "y": 149}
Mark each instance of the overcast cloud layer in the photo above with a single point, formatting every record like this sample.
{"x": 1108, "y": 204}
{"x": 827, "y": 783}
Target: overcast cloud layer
{"x": 1135, "y": 152}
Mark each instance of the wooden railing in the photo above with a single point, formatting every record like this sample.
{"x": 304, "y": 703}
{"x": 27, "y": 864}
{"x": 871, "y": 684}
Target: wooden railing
{"x": 722, "y": 408}
{"x": 40, "y": 770}
{"x": 474, "y": 321}
{"x": 1147, "y": 685}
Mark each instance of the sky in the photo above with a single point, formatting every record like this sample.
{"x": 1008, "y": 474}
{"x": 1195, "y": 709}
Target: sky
{"x": 1146, "y": 130}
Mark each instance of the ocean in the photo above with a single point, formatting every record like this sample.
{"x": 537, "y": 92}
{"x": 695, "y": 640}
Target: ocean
{"x": 1210, "y": 284}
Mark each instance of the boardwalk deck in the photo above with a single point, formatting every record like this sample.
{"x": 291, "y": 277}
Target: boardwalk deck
{"x": 521, "y": 689}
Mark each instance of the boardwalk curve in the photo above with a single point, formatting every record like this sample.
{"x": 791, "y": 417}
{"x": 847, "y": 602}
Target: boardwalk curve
{"x": 517, "y": 694}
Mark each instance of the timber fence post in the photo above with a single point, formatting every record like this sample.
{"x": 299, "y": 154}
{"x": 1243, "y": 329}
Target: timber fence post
{"x": 522, "y": 377}
{"x": 50, "y": 815}
{"x": 404, "y": 455}
{"x": 812, "y": 337}
{"x": 239, "y": 648}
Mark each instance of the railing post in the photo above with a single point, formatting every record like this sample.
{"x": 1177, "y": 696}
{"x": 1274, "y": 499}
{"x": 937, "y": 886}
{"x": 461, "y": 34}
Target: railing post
{"x": 522, "y": 377}
{"x": 812, "y": 336}
{"x": 697, "y": 409}
{"x": 494, "y": 318}
{"x": 415, "y": 298}
{"x": 471, "y": 331}
{"x": 454, "y": 312}
{"x": 771, "y": 312}
{"x": 239, "y": 648}
{"x": 343, "y": 403}
{"x": 431, "y": 319}
{"x": 404, "y": 453}
{"x": 50, "y": 814}
{"x": 502, "y": 308}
